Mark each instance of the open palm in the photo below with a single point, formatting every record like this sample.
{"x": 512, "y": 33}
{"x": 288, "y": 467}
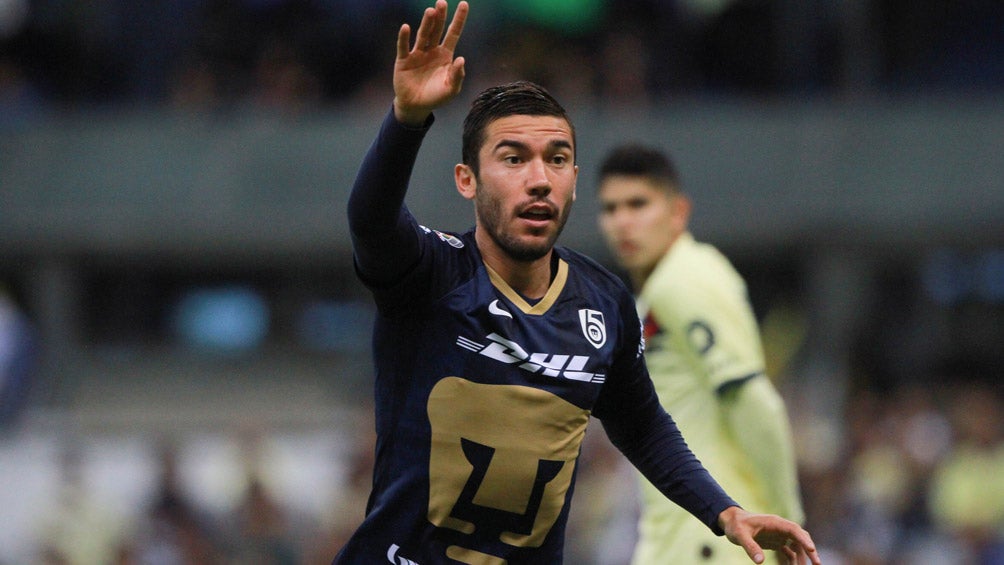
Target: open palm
{"x": 427, "y": 75}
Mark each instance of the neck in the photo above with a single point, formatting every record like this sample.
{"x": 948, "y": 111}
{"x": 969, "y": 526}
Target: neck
{"x": 639, "y": 276}
{"x": 529, "y": 278}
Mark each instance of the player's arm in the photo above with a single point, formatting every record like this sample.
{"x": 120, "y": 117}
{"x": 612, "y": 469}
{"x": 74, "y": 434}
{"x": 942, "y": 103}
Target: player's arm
{"x": 638, "y": 425}
{"x": 751, "y": 406}
{"x": 385, "y": 241}
{"x": 723, "y": 333}
{"x": 384, "y": 234}
{"x": 657, "y": 449}
{"x": 756, "y": 416}
{"x": 640, "y": 428}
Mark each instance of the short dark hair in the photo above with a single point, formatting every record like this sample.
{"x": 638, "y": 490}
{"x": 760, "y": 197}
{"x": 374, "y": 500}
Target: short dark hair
{"x": 523, "y": 98}
{"x": 639, "y": 160}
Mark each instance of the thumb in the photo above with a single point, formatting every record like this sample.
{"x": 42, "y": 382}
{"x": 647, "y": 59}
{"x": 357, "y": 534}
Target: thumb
{"x": 457, "y": 72}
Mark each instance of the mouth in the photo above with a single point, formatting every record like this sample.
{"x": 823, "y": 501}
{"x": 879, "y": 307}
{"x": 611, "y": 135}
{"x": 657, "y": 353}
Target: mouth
{"x": 626, "y": 248}
{"x": 538, "y": 213}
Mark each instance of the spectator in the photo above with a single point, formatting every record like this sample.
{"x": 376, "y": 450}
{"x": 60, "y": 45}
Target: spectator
{"x": 967, "y": 489}
{"x": 173, "y": 530}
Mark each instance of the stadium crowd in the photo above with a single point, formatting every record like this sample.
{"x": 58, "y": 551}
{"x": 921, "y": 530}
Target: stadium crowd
{"x": 913, "y": 475}
{"x": 298, "y": 55}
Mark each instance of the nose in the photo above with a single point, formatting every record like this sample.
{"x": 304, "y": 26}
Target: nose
{"x": 619, "y": 219}
{"x": 537, "y": 182}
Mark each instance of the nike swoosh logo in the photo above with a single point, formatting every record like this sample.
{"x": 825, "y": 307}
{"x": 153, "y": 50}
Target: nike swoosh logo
{"x": 494, "y": 308}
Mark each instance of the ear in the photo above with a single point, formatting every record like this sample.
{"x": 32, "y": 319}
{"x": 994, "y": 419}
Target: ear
{"x": 681, "y": 211}
{"x": 467, "y": 182}
{"x": 575, "y": 185}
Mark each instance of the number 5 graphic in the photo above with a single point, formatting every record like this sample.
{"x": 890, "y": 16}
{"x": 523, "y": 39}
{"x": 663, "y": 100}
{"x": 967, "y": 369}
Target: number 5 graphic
{"x": 593, "y": 327}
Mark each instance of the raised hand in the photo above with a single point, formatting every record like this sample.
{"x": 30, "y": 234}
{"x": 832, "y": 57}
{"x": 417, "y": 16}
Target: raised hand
{"x": 427, "y": 75}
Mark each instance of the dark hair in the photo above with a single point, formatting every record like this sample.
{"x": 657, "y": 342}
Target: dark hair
{"x": 638, "y": 160}
{"x": 522, "y": 98}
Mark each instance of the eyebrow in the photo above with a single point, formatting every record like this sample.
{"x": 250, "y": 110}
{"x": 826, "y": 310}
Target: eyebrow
{"x": 555, "y": 144}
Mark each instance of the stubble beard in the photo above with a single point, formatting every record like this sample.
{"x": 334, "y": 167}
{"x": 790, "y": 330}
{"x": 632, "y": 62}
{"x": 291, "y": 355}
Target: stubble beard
{"x": 490, "y": 213}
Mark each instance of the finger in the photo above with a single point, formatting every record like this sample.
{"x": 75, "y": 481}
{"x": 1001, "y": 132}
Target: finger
{"x": 806, "y": 552}
{"x": 456, "y": 27}
{"x": 804, "y": 542}
{"x": 439, "y": 24}
{"x": 754, "y": 551}
{"x": 423, "y": 38}
{"x": 403, "y": 41}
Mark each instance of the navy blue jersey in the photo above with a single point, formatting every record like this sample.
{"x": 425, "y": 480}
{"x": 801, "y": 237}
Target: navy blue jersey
{"x": 482, "y": 399}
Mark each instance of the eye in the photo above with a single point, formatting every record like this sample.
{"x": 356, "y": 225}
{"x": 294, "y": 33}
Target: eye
{"x": 512, "y": 159}
{"x": 637, "y": 203}
{"x": 559, "y": 159}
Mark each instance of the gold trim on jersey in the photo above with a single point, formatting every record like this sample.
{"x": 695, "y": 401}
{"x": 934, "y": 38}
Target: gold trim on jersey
{"x": 541, "y": 307}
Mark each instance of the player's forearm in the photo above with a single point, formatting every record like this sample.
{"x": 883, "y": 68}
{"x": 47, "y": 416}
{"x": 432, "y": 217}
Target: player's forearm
{"x": 377, "y": 196}
{"x": 660, "y": 453}
{"x": 383, "y": 232}
{"x": 759, "y": 423}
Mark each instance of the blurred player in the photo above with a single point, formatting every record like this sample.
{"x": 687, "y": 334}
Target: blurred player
{"x": 704, "y": 353}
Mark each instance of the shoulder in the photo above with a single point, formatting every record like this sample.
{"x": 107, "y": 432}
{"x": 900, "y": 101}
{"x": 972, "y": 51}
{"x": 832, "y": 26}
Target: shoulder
{"x": 446, "y": 261}
{"x": 594, "y": 284}
{"x": 692, "y": 263}
{"x": 706, "y": 255}
{"x": 598, "y": 296}
{"x": 448, "y": 254}
{"x": 592, "y": 272}
{"x": 462, "y": 243}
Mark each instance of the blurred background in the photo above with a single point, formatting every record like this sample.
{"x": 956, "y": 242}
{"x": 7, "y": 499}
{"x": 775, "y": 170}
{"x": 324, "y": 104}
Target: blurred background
{"x": 184, "y": 364}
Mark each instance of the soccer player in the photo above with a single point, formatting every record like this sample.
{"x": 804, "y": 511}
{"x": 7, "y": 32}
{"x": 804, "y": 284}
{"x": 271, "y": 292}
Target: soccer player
{"x": 704, "y": 353}
{"x": 493, "y": 347}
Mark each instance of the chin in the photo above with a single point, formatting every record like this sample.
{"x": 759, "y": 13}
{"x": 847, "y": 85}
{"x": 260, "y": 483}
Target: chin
{"x": 528, "y": 254}
{"x": 530, "y": 251}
